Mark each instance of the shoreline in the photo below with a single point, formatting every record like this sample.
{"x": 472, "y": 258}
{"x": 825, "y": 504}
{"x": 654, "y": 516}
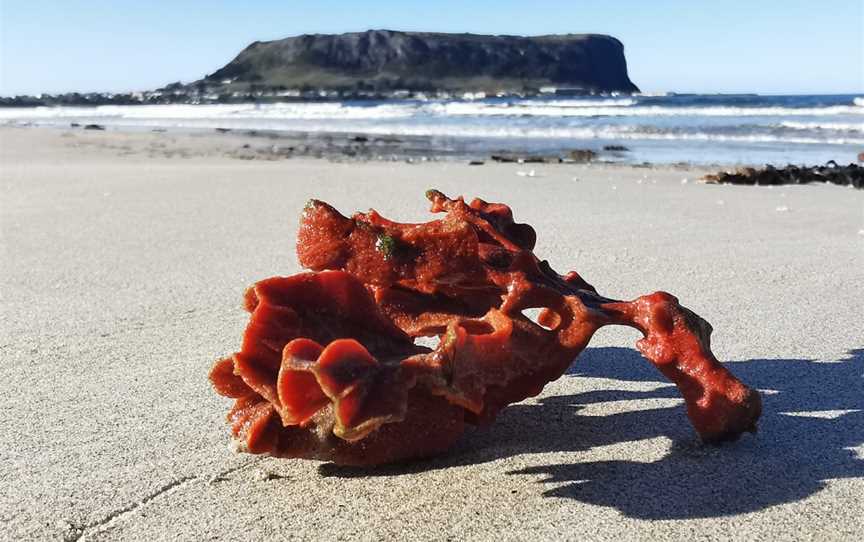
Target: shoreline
{"x": 355, "y": 146}
{"x": 247, "y": 144}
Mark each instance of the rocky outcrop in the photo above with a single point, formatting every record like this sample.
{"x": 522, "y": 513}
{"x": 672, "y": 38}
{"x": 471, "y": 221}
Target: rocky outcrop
{"x": 386, "y": 60}
{"x": 832, "y": 172}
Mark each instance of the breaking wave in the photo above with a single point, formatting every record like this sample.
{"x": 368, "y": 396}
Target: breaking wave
{"x": 557, "y": 110}
{"x": 837, "y": 126}
{"x": 324, "y": 110}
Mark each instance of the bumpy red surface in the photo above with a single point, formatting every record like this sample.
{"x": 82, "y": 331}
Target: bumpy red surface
{"x": 328, "y": 368}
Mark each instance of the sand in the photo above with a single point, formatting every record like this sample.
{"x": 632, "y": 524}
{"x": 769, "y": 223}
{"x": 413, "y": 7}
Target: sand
{"x": 124, "y": 257}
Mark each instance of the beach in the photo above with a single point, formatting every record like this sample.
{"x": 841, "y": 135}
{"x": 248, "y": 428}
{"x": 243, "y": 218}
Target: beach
{"x": 125, "y": 256}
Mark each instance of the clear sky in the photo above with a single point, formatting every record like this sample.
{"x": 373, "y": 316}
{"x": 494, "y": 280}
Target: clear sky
{"x": 765, "y": 46}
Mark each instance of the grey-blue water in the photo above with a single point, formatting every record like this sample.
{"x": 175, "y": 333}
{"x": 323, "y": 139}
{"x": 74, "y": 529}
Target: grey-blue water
{"x": 699, "y": 129}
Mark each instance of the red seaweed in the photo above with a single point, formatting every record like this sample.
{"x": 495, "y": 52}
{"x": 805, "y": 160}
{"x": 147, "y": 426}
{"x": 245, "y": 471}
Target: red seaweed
{"x": 329, "y": 369}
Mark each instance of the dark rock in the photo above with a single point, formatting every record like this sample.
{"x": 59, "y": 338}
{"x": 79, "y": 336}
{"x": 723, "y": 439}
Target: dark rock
{"x": 615, "y": 148}
{"x": 851, "y": 175}
{"x": 526, "y": 159}
{"x": 94, "y": 127}
{"x": 582, "y": 155}
{"x": 74, "y": 125}
{"x": 223, "y": 130}
{"x": 378, "y": 60}
{"x": 387, "y": 140}
{"x": 360, "y": 139}
{"x": 476, "y": 163}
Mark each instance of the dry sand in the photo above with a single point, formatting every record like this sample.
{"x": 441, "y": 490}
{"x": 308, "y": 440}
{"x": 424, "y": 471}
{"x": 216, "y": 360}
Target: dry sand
{"x": 124, "y": 258}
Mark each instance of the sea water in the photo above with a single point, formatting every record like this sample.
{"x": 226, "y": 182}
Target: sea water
{"x": 698, "y": 129}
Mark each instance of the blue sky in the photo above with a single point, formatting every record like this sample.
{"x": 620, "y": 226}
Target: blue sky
{"x": 765, "y": 46}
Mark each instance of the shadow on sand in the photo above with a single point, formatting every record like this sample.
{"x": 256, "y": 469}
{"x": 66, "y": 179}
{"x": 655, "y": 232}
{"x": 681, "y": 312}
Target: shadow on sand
{"x": 791, "y": 457}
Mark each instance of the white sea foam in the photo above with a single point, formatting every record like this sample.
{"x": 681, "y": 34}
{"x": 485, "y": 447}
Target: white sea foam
{"x": 538, "y": 119}
{"x": 326, "y": 110}
{"x": 616, "y": 102}
{"x": 838, "y": 126}
{"x": 543, "y": 110}
{"x": 859, "y": 101}
{"x": 340, "y": 111}
{"x": 406, "y": 127}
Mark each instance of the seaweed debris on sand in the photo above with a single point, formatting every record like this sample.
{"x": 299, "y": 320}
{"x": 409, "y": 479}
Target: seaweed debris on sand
{"x": 851, "y": 175}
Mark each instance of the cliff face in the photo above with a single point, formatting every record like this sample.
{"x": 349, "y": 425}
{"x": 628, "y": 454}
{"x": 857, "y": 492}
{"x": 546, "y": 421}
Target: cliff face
{"x": 390, "y": 60}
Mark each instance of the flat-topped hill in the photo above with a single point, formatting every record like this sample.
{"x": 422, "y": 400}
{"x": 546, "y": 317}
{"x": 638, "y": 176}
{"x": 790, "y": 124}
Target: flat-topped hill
{"x": 386, "y": 60}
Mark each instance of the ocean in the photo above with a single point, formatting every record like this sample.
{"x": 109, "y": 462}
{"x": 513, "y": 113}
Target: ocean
{"x": 692, "y": 128}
